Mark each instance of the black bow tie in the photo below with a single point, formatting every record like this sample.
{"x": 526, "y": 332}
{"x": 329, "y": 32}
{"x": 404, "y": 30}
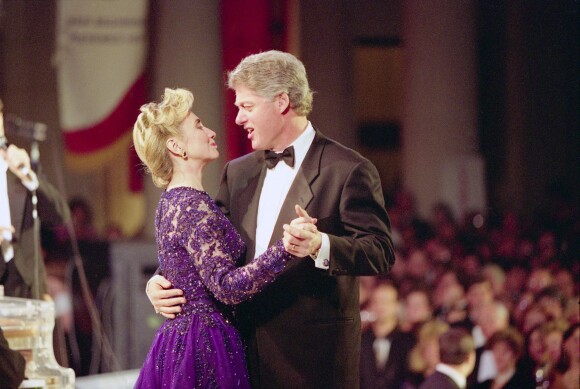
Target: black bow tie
{"x": 272, "y": 157}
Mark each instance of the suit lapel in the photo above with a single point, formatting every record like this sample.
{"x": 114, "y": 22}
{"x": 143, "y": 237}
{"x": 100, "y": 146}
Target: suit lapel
{"x": 300, "y": 192}
{"x": 251, "y": 196}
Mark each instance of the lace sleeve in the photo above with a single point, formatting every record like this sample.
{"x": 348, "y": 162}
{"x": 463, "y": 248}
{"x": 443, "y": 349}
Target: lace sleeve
{"x": 211, "y": 245}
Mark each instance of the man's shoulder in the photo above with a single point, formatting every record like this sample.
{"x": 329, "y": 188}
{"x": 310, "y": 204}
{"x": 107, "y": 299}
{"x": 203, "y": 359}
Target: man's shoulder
{"x": 335, "y": 151}
{"x": 438, "y": 380}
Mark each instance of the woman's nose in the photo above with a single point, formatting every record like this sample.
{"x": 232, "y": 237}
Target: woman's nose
{"x": 210, "y": 133}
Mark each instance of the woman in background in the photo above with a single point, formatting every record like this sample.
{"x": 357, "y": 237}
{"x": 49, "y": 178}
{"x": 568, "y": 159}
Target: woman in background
{"x": 424, "y": 356}
{"x": 507, "y": 347}
{"x": 569, "y": 376}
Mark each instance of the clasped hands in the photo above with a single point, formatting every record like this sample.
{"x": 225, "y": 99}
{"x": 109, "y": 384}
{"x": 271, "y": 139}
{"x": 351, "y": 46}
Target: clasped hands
{"x": 301, "y": 238}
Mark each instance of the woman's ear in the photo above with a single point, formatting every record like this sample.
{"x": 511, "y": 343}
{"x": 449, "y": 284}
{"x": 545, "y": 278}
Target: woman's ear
{"x": 173, "y": 146}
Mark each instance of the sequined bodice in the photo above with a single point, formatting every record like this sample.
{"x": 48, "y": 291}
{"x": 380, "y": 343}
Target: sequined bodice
{"x": 199, "y": 250}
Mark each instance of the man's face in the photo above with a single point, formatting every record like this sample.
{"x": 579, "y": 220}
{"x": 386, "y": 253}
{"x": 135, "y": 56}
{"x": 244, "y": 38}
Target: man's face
{"x": 384, "y": 303}
{"x": 261, "y": 118}
{"x": 504, "y": 357}
{"x": 417, "y": 307}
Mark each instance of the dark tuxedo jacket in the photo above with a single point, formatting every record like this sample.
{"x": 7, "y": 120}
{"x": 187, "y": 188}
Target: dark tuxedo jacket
{"x": 303, "y": 331}
{"x": 438, "y": 380}
{"x": 396, "y": 369}
{"x": 52, "y": 209}
{"x": 520, "y": 380}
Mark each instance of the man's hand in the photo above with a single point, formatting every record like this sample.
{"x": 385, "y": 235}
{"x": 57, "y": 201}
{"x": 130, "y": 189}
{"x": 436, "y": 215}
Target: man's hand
{"x": 19, "y": 163}
{"x": 301, "y": 237}
{"x": 5, "y": 228}
{"x": 166, "y": 301}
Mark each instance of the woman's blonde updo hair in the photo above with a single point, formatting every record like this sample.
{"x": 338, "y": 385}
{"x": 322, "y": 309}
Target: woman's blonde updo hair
{"x": 429, "y": 331}
{"x": 155, "y": 124}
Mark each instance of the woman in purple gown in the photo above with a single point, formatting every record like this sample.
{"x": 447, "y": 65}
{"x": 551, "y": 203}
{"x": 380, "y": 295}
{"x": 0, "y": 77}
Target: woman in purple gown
{"x": 198, "y": 251}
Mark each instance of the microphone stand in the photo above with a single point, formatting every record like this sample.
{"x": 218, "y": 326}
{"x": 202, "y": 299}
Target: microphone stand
{"x": 34, "y": 161}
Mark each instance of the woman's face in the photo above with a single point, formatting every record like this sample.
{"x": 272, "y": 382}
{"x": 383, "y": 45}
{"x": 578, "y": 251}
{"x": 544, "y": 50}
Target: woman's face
{"x": 532, "y": 318}
{"x": 536, "y": 347}
{"x": 572, "y": 345}
{"x": 431, "y": 353}
{"x": 553, "y": 345}
{"x": 504, "y": 356}
{"x": 198, "y": 140}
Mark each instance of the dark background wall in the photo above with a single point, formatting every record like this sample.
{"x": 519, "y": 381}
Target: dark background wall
{"x": 528, "y": 83}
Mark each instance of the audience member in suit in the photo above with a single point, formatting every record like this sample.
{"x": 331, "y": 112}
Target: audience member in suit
{"x": 20, "y": 275}
{"x": 507, "y": 347}
{"x": 418, "y": 310}
{"x": 568, "y": 373}
{"x": 384, "y": 347}
{"x": 492, "y": 317}
{"x": 457, "y": 355}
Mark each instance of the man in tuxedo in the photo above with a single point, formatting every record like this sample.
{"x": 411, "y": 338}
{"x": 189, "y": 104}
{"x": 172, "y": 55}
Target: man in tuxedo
{"x": 384, "y": 347}
{"x": 457, "y": 356}
{"x": 22, "y": 271}
{"x": 303, "y": 331}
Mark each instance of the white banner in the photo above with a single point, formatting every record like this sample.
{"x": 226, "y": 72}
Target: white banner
{"x": 101, "y": 57}
{"x": 101, "y": 62}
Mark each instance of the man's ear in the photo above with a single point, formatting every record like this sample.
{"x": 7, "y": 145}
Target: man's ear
{"x": 283, "y": 102}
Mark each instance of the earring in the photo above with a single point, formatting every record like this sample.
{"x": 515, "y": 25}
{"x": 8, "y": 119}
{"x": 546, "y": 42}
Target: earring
{"x": 184, "y": 155}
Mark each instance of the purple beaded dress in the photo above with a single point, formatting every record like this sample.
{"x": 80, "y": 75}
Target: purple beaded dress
{"x": 198, "y": 250}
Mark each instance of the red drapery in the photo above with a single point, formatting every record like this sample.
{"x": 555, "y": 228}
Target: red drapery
{"x": 249, "y": 27}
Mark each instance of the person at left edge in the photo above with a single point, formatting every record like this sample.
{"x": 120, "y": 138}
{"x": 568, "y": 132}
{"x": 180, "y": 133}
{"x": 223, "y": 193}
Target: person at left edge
{"x": 18, "y": 253}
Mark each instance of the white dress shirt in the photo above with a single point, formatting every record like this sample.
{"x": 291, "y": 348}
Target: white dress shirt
{"x": 277, "y": 183}
{"x": 487, "y": 368}
{"x": 450, "y": 372}
{"x": 5, "y": 221}
{"x": 382, "y": 348}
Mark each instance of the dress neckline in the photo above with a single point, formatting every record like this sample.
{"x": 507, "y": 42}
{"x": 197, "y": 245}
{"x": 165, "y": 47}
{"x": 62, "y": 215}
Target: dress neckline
{"x": 182, "y": 187}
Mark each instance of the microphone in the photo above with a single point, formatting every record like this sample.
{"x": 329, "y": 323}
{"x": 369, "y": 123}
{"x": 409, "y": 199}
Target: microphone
{"x": 13, "y": 125}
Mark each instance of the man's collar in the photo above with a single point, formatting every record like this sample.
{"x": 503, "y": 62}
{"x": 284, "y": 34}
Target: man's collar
{"x": 302, "y": 144}
{"x": 449, "y": 371}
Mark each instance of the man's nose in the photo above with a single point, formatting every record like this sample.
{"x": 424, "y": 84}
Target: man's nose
{"x": 240, "y": 118}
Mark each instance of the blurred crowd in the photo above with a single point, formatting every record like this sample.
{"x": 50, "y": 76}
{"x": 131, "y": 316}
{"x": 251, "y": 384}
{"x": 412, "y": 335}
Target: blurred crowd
{"x": 512, "y": 282}
{"x": 70, "y": 249}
